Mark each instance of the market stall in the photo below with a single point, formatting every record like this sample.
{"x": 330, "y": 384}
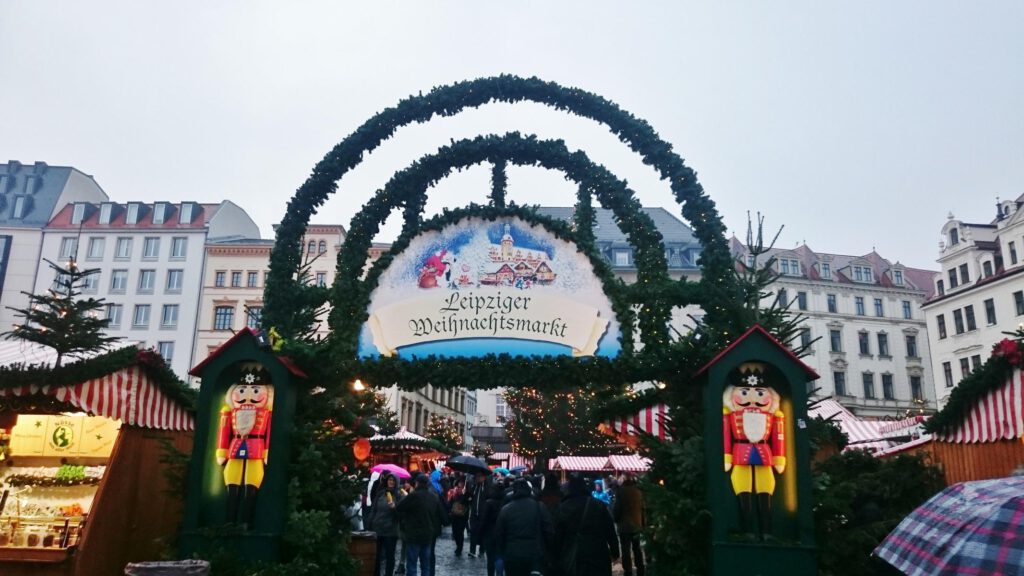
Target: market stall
{"x": 408, "y": 450}
{"x": 84, "y": 448}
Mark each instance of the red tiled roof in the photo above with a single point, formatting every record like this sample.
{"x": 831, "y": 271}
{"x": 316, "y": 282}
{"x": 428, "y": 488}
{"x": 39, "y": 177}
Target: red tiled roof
{"x": 201, "y": 215}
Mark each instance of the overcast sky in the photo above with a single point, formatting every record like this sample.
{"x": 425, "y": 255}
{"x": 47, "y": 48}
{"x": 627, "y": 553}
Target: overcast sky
{"x": 854, "y": 124}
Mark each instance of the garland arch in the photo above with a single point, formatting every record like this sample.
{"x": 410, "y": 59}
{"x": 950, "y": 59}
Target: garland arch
{"x": 697, "y": 208}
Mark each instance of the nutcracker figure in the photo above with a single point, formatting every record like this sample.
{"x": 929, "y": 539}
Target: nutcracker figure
{"x": 244, "y": 441}
{"x": 753, "y": 428}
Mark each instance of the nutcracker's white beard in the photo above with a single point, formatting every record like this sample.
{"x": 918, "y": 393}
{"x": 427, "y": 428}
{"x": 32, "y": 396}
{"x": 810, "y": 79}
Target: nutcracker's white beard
{"x": 244, "y": 421}
{"x": 755, "y": 425}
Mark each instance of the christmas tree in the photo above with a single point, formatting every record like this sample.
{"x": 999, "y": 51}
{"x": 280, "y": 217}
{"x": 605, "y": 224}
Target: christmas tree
{"x": 60, "y": 319}
{"x": 550, "y": 424}
{"x": 445, "y": 431}
{"x": 387, "y": 419}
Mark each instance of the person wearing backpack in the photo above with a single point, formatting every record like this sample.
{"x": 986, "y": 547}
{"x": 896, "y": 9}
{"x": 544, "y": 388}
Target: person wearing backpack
{"x": 585, "y": 542}
{"x": 458, "y": 503}
{"x": 523, "y": 531}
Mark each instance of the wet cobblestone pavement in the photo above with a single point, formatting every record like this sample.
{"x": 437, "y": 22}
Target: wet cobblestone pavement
{"x": 450, "y": 565}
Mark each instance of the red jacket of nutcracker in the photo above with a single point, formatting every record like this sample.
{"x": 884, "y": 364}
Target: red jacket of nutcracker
{"x": 244, "y": 433}
{"x": 753, "y": 436}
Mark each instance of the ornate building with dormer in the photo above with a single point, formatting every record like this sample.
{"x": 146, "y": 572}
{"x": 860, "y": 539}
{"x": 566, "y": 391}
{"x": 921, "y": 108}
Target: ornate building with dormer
{"x": 979, "y": 293}
{"x": 865, "y": 312}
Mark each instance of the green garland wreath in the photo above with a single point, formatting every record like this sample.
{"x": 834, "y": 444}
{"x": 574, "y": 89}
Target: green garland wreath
{"x": 697, "y": 208}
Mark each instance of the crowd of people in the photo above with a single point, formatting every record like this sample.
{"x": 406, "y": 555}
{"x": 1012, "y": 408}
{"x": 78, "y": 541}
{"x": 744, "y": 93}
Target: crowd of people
{"x": 514, "y": 525}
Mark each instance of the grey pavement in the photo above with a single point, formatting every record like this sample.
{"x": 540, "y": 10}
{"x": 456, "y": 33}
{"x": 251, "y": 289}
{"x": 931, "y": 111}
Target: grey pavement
{"x": 450, "y": 565}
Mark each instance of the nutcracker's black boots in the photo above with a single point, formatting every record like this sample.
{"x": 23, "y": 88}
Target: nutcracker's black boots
{"x": 746, "y": 505}
{"x": 234, "y": 496}
{"x": 764, "y": 513}
{"x": 250, "y": 503}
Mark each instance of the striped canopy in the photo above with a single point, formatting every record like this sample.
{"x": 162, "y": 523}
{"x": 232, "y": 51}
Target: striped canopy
{"x": 999, "y": 415}
{"x": 127, "y": 395}
{"x": 863, "y": 434}
{"x": 650, "y": 420}
{"x": 629, "y": 463}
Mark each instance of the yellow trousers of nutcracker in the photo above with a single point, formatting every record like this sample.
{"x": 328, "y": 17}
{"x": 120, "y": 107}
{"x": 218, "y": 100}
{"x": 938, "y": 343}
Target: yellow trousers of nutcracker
{"x": 238, "y": 471}
{"x": 751, "y": 478}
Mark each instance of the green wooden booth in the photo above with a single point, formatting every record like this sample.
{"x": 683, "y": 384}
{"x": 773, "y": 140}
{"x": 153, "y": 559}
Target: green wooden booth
{"x": 762, "y": 519}
{"x": 238, "y": 478}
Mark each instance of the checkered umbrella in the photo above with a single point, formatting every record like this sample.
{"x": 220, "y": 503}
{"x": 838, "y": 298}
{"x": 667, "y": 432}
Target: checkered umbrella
{"x": 971, "y": 528}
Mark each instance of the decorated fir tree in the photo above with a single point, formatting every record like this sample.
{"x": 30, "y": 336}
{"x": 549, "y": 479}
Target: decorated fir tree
{"x": 549, "y": 424}
{"x": 60, "y": 319}
{"x": 444, "y": 430}
{"x": 386, "y": 418}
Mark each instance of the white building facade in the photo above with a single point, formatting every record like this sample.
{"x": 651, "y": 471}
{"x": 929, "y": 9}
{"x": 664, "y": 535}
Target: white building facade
{"x": 872, "y": 350}
{"x": 150, "y": 259}
{"x": 979, "y": 293}
{"x": 30, "y": 196}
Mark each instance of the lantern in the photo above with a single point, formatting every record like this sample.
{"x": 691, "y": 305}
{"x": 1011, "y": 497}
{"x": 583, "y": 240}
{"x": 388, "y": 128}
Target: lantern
{"x": 361, "y": 449}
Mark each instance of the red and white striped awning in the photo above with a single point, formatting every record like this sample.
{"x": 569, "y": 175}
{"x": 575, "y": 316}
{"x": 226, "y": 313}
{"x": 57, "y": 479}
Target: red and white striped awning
{"x": 127, "y": 395}
{"x": 650, "y": 420}
{"x": 629, "y": 463}
{"x": 581, "y": 463}
{"x": 511, "y": 460}
{"x": 862, "y": 434}
{"x": 901, "y": 425}
{"x": 999, "y": 415}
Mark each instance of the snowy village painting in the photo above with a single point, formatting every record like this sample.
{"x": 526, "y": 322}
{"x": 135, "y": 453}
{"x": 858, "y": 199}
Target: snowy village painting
{"x": 480, "y": 287}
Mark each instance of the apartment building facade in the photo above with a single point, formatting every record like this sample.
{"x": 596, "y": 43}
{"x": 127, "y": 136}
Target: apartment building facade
{"x": 150, "y": 258}
{"x": 30, "y": 196}
{"x": 872, "y": 350}
{"x": 979, "y": 292}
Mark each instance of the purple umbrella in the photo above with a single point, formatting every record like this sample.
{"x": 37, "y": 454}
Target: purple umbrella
{"x": 393, "y": 469}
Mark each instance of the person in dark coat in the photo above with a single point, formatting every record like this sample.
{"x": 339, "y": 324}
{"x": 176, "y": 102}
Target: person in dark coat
{"x": 628, "y": 512}
{"x": 420, "y": 514}
{"x": 385, "y": 523}
{"x": 522, "y": 532}
{"x": 488, "y": 523}
{"x": 458, "y": 506}
{"x": 584, "y": 533}
{"x": 477, "y": 498}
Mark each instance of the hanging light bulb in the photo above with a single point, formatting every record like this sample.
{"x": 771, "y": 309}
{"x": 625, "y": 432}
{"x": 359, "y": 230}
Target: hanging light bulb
{"x": 358, "y": 385}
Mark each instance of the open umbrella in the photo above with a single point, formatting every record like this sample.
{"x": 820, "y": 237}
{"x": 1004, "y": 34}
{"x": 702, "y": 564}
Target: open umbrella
{"x": 519, "y": 469}
{"x": 501, "y": 470}
{"x": 468, "y": 464}
{"x": 968, "y": 528}
{"x": 392, "y": 468}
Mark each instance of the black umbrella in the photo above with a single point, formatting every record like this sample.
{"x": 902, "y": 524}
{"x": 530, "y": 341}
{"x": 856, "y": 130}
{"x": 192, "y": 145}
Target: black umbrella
{"x": 468, "y": 464}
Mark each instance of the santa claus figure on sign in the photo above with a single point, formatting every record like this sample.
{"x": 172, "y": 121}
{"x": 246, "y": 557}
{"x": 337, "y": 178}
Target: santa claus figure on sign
{"x": 754, "y": 434}
{"x": 244, "y": 441}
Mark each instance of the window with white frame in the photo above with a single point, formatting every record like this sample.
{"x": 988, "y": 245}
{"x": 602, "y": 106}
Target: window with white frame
{"x": 879, "y": 309}
{"x": 869, "y": 384}
{"x": 223, "y": 317}
{"x": 801, "y": 300}
{"x": 833, "y": 307}
{"x": 179, "y": 244}
{"x": 140, "y": 319}
{"x": 864, "y": 342}
{"x": 236, "y": 279}
{"x": 78, "y": 213}
{"x": 887, "y": 388}
{"x": 147, "y": 279}
{"x": 19, "y": 207}
{"x": 908, "y": 312}
{"x": 897, "y": 277}
{"x": 133, "y": 213}
{"x": 91, "y": 282}
{"x": 166, "y": 349}
{"x": 826, "y": 271}
{"x": 858, "y": 304}
{"x": 789, "y": 266}
{"x": 95, "y": 251}
{"x": 321, "y": 279}
{"x": 911, "y": 342}
{"x": 151, "y": 248}
{"x": 986, "y": 268}
{"x": 174, "y": 281}
{"x": 218, "y": 278}
{"x": 501, "y": 411}
{"x": 947, "y": 373}
{"x": 253, "y": 316}
{"x": 863, "y": 274}
{"x": 118, "y": 281}
{"x": 252, "y": 279}
{"x": 883, "y": 344}
{"x": 114, "y": 312}
{"x": 839, "y": 379}
{"x": 123, "y": 249}
{"x": 622, "y": 257}
{"x": 159, "y": 212}
{"x": 68, "y": 247}
{"x": 169, "y": 317}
